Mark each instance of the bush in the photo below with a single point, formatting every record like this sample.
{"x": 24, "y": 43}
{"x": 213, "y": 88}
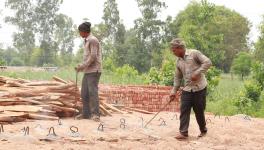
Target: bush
{"x": 167, "y": 73}
{"x": 163, "y": 76}
{"x": 153, "y": 76}
{"x": 258, "y": 73}
{"x": 2, "y": 62}
{"x": 242, "y": 64}
{"x": 108, "y": 64}
{"x": 213, "y": 78}
{"x": 252, "y": 90}
{"x": 127, "y": 70}
{"x": 17, "y": 62}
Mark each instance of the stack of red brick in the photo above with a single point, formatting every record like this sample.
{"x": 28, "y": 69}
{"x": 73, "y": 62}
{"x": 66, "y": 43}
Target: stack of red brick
{"x": 150, "y": 97}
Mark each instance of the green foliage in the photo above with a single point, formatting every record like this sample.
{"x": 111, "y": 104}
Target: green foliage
{"x": 55, "y": 32}
{"x": 36, "y": 57}
{"x": 112, "y": 21}
{"x": 164, "y": 75}
{"x": 2, "y": 62}
{"x": 149, "y": 30}
{"x": 242, "y": 64}
{"x": 108, "y": 64}
{"x": 126, "y": 71}
{"x": 132, "y": 53}
{"x": 153, "y": 76}
{"x": 122, "y": 75}
{"x": 17, "y": 62}
{"x": 258, "y": 73}
{"x": 217, "y": 31}
{"x": 259, "y": 45}
{"x": 252, "y": 90}
{"x": 250, "y": 99}
{"x": 213, "y": 78}
{"x": 23, "y": 19}
{"x": 167, "y": 72}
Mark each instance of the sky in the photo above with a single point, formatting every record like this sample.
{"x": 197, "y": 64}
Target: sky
{"x": 93, "y": 10}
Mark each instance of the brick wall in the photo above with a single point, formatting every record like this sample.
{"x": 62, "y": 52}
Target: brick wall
{"x": 150, "y": 98}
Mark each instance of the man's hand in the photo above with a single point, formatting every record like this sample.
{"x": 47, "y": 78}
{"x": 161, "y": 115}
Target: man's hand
{"x": 195, "y": 77}
{"x": 175, "y": 96}
{"x": 78, "y": 68}
{"x": 172, "y": 97}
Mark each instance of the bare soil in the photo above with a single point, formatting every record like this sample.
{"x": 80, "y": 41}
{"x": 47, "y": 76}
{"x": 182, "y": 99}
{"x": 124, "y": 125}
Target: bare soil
{"x": 235, "y": 132}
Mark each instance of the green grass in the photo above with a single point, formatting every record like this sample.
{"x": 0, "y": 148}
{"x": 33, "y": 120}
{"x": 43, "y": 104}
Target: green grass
{"x": 222, "y": 99}
{"x": 70, "y": 74}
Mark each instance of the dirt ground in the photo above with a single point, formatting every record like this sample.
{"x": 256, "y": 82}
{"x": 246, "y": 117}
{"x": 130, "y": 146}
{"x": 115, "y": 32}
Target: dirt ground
{"x": 236, "y": 132}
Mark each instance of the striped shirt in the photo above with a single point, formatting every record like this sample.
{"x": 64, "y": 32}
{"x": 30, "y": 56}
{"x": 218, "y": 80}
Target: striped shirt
{"x": 194, "y": 62}
{"x": 92, "y": 55}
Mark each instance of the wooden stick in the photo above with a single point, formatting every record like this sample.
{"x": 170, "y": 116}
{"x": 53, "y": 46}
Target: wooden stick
{"x": 139, "y": 110}
{"x": 41, "y": 117}
{"x": 112, "y": 108}
{"x": 105, "y": 111}
{"x": 59, "y": 79}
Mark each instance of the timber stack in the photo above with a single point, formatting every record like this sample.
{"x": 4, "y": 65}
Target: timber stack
{"x": 22, "y": 99}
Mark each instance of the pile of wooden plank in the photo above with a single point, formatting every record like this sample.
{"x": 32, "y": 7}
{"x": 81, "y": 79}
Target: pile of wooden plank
{"x": 22, "y": 99}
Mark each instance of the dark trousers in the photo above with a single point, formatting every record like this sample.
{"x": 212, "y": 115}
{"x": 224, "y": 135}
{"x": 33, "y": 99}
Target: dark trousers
{"x": 89, "y": 94}
{"x": 197, "y": 100}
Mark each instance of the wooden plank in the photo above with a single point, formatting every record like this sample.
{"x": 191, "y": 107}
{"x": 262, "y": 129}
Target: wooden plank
{"x": 55, "y": 103}
{"x": 112, "y": 108}
{"x": 105, "y": 111}
{"x": 139, "y": 110}
{"x": 41, "y": 117}
{"x": 15, "y": 84}
{"x": 59, "y": 79}
{"x": 8, "y": 116}
{"x": 43, "y": 83}
{"x": 21, "y": 108}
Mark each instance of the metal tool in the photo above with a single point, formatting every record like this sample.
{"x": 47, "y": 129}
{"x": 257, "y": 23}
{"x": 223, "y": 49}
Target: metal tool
{"x": 74, "y": 131}
{"x": 100, "y": 127}
{"x": 25, "y": 130}
{"x": 1, "y": 128}
{"x": 122, "y": 123}
{"x": 76, "y": 90}
{"x": 163, "y": 122}
{"x": 180, "y": 91}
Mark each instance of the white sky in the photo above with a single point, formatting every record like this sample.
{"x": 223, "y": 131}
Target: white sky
{"x": 93, "y": 10}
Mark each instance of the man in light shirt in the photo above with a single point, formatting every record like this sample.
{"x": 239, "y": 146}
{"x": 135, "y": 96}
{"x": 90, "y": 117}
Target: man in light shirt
{"x": 92, "y": 68}
{"x": 191, "y": 67}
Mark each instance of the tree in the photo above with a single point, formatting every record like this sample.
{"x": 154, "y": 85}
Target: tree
{"x": 112, "y": 20}
{"x": 38, "y": 22}
{"x": 258, "y": 73}
{"x": 149, "y": 30}
{"x": 24, "y": 39}
{"x": 115, "y": 32}
{"x": 46, "y": 15}
{"x": 9, "y": 54}
{"x": 242, "y": 64}
{"x": 64, "y": 35}
{"x": 259, "y": 45}
{"x": 218, "y": 32}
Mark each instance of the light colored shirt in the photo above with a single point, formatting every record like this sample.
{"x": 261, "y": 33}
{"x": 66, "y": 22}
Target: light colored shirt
{"x": 194, "y": 62}
{"x": 92, "y": 55}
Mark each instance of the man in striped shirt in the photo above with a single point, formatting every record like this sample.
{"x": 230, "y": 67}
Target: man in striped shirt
{"x": 191, "y": 67}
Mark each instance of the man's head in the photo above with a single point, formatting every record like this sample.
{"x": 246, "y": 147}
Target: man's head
{"x": 84, "y": 29}
{"x": 178, "y": 47}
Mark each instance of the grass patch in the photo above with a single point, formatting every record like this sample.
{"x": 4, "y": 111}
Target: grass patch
{"x": 223, "y": 98}
{"x": 70, "y": 74}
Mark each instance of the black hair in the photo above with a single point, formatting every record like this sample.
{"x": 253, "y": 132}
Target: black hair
{"x": 85, "y": 27}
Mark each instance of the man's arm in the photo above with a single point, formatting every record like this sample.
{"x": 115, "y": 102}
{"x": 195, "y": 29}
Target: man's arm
{"x": 205, "y": 63}
{"x": 94, "y": 46}
{"x": 177, "y": 81}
